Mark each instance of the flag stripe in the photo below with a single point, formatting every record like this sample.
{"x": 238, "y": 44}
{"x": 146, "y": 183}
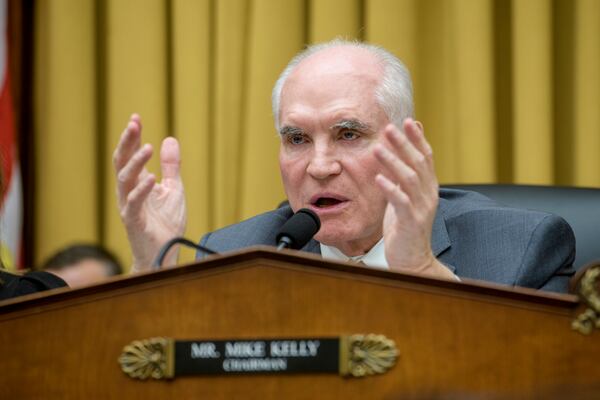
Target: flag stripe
{"x": 11, "y": 206}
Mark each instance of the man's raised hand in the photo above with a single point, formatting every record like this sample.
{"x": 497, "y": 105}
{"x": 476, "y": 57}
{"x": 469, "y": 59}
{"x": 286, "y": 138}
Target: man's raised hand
{"x": 152, "y": 212}
{"x": 409, "y": 182}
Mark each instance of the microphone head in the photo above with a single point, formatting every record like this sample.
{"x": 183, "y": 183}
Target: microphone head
{"x": 300, "y": 228}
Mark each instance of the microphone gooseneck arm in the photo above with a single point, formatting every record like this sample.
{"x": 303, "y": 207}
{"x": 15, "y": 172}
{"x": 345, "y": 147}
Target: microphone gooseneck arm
{"x": 284, "y": 242}
{"x": 178, "y": 240}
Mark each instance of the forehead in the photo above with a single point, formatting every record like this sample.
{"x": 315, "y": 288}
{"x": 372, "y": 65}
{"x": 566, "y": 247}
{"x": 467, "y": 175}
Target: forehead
{"x": 341, "y": 59}
{"x": 338, "y": 82}
{"x": 91, "y": 266}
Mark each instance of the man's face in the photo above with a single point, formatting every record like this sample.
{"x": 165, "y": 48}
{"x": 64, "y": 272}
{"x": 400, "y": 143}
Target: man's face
{"x": 329, "y": 121}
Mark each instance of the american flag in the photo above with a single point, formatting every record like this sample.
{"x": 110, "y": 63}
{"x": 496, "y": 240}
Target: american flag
{"x": 11, "y": 206}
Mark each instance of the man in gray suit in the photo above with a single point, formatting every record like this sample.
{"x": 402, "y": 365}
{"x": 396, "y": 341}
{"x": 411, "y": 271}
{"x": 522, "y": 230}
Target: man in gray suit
{"x": 352, "y": 152}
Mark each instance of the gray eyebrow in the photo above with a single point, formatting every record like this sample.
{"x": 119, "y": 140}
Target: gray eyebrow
{"x": 290, "y": 130}
{"x": 351, "y": 124}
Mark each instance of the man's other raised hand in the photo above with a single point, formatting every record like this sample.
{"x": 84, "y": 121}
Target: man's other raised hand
{"x": 411, "y": 188}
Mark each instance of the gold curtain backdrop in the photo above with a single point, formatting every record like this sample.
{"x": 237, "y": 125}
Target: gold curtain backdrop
{"x": 508, "y": 91}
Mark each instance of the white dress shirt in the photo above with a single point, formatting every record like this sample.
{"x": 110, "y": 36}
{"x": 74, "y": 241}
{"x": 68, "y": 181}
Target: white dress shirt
{"x": 375, "y": 258}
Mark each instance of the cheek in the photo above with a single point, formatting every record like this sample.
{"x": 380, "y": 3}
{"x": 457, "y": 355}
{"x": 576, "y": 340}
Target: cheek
{"x": 363, "y": 169}
{"x": 365, "y": 180}
{"x": 291, "y": 176}
{"x": 289, "y": 172}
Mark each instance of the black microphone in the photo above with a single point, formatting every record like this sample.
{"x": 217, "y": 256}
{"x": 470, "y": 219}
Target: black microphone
{"x": 157, "y": 264}
{"x": 298, "y": 230}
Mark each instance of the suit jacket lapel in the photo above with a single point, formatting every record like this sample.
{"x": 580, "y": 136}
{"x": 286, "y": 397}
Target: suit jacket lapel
{"x": 440, "y": 240}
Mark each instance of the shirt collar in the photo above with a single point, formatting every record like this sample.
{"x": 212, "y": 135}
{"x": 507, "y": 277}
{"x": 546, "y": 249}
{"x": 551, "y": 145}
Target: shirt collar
{"x": 374, "y": 257}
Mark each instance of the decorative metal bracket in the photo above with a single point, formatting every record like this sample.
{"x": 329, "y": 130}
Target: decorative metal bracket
{"x": 148, "y": 358}
{"x": 589, "y": 292}
{"x": 364, "y": 355}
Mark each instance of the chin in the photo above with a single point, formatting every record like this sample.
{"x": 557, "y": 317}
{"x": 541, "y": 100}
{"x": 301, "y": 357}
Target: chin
{"x": 342, "y": 235}
{"x": 331, "y": 237}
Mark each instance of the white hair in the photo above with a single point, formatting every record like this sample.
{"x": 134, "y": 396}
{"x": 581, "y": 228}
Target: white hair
{"x": 394, "y": 94}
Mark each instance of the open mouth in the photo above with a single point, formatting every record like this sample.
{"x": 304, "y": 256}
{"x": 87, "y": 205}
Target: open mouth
{"x": 325, "y": 202}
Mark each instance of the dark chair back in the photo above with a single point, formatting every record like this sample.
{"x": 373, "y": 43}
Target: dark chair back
{"x": 580, "y": 207}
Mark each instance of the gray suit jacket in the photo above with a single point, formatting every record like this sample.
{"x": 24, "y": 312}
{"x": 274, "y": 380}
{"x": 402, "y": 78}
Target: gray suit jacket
{"x": 474, "y": 236}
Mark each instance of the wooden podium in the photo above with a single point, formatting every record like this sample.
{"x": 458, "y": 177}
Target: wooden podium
{"x": 455, "y": 340}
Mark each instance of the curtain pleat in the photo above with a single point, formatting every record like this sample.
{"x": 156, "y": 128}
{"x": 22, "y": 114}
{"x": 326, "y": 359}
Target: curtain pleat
{"x": 508, "y": 91}
{"x": 136, "y": 81}
{"x": 192, "y": 108}
{"x": 532, "y": 91}
{"x": 329, "y": 19}
{"x": 229, "y": 80}
{"x": 67, "y": 163}
{"x": 473, "y": 83}
{"x": 277, "y": 31}
{"x": 587, "y": 93}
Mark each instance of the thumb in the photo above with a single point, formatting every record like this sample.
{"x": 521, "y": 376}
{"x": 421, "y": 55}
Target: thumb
{"x": 170, "y": 159}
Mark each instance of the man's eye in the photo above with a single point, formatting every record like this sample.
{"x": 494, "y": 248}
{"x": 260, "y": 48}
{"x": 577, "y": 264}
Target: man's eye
{"x": 296, "y": 139}
{"x": 349, "y": 135}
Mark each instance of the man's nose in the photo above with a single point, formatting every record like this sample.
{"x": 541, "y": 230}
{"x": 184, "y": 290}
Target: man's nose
{"x": 324, "y": 164}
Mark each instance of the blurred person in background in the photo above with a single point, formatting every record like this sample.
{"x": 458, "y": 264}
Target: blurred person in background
{"x": 83, "y": 264}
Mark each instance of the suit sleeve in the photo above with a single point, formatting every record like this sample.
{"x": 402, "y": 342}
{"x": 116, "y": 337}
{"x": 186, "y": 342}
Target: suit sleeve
{"x": 32, "y": 282}
{"x": 548, "y": 259}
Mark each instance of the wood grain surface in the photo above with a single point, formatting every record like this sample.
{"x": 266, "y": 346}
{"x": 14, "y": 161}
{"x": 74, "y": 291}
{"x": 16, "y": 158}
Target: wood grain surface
{"x": 466, "y": 340}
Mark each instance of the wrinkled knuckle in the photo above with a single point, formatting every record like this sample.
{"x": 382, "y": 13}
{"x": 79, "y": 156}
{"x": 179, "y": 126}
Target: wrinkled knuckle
{"x": 122, "y": 177}
{"x": 420, "y": 159}
{"x": 132, "y": 196}
{"x": 428, "y": 152}
{"x": 138, "y": 156}
{"x": 411, "y": 177}
{"x": 403, "y": 198}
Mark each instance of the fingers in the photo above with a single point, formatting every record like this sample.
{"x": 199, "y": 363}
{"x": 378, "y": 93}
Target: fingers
{"x": 396, "y": 197}
{"x": 170, "y": 160}
{"x": 413, "y": 150}
{"x": 129, "y": 159}
{"x": 408, "y": 176}
{"x": 129, "y": 142}
{"x": 415, "y": 133}
{"x": 132, "y": 173}
{"x": 137, "y": 196}
{"x": 399, "y": 172}
{"x": 410, "y": 145}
